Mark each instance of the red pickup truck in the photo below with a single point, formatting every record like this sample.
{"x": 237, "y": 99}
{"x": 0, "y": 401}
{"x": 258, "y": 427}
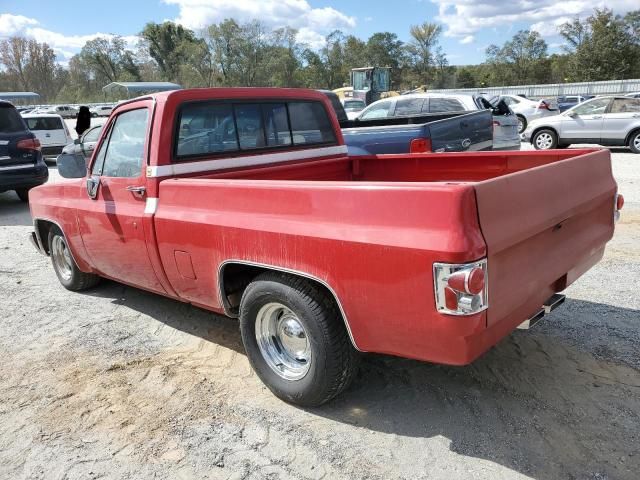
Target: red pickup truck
{"x": 244, "y": 202}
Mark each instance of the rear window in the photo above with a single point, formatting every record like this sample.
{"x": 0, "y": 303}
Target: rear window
{"x": 207, "y": 128}
{"x": 444, "y": 105}
{"x": 44, "y": 123}
{"x": 10, "y": 119}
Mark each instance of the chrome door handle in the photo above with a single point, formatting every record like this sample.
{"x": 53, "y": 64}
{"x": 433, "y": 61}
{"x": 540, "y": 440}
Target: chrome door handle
{"x": 140, "y": 189}
{"x": 596, "y": 116}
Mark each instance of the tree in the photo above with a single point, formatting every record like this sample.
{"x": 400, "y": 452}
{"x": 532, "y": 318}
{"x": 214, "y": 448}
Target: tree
{"x": 109, "y": 59}
{"x": 424, "y": 39}
{"x": 519, "y": 60}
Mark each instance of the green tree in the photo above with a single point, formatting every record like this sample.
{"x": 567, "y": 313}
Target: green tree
{"x": 424, "y": 40}
{"x": 109, "y": 59}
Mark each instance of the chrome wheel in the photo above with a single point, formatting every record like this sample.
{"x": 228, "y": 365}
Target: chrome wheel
{"x": 520, "y": 125}
{"x": 544, "y": 141}
{"x": 283, "y": 341}
{"x": 61, "y": 257}
{"x": 636, "y": 142}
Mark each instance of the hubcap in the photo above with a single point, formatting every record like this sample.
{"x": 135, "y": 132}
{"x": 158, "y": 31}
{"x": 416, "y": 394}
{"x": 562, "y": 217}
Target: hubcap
{"x": 544, "y": 141}
{"x": 520, "y": 125}
{"x": 283, "y": 341}
{"x": 61, "y": 257}
{"x": 636, "y": 142}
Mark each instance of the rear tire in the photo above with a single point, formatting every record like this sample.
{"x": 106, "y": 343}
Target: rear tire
{"x": 296, "y": 340}
{"x": 522, "y": 123}
{"x": 634, "y": 142}
{"x": 70, "y": 276}
{"x": 23, "y": 194}
{"x": 545, "y": 139}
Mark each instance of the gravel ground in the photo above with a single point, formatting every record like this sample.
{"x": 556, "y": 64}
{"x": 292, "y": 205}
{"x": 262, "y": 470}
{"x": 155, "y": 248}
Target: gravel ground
{"x": 119, "y": 383}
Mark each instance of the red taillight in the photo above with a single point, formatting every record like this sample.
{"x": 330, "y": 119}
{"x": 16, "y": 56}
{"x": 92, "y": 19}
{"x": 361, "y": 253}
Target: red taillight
{"x": 450, "y": 299}
{"x": 29, "y": 144}
{"x": 468, "y": 281}
{"x": 544, "y": 105}
{"x": 619, "y": 202}
{"x": 420, "y": 145}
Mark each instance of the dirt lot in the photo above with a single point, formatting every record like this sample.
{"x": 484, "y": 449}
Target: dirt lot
{"x": 119, "y": 383}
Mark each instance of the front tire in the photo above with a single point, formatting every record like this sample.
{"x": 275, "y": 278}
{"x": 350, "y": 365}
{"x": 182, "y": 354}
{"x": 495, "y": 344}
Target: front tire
{"x": 522, "y": 123}
{"x": 68, "y": 273}
{"x": 296, "y": 340}
{"x": 545, "y": 139}
{"x": 634, "y": 142}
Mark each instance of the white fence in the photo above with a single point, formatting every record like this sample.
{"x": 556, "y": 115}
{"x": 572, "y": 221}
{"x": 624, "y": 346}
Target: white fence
{"x": 609, "y": 87}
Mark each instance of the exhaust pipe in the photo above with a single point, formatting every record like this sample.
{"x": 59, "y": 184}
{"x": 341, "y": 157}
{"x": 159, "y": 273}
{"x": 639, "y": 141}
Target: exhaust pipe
{"x": 548, "y": 306}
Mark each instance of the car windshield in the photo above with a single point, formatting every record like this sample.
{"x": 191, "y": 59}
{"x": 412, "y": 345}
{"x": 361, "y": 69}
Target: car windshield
{"x": 10, "y": 119}
{"x": 353, "y": 105}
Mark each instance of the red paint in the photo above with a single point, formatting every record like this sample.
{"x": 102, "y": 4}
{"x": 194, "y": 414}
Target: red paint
{"x": 369, "y": 227}
{"x": 468, "y": 281}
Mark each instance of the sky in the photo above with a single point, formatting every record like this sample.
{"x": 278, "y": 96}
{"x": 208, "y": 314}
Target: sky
{"x": 469, "y": 26}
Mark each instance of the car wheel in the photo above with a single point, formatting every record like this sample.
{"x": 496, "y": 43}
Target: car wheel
{"x": 634, "y": 142}
{"x": 522, "y": 123}
{"x": 68, "y": 273}
{"x": 23, "y": 194}
{"x": 545, "y": 140}
{"x": 296, "y": 340}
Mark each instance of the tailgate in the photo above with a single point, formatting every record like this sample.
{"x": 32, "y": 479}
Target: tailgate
{"x": 543, "y": 228}
{"x": 472, "y": 132}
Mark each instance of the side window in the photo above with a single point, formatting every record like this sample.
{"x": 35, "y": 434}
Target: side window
{"x": 444, "y": 105}
{"x": 594, "y": 107}
{"x": 206, "y": 128}
{"x": 122, "y": 155}
{"x": 627, "y": 105}
{"x": 249, "y": 125}
{"x": 409, "y": 106}
{"x": 310, "y": 123}
{"x": 379, "y": 110}
{"x": 276, "y": 124}
{"x": 92, "y": 135}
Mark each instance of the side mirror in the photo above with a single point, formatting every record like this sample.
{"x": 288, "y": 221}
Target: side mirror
{"x": 77, "y": 141}
{"x": 71, "y": 166}
{"x": 572, "y": 114}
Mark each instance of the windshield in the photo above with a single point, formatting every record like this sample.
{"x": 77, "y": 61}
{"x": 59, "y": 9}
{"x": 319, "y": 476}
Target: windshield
{"x": 44, "y": 123}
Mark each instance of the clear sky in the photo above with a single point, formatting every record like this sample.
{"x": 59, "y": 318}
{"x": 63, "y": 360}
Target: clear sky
{"x": 469, "y": 25}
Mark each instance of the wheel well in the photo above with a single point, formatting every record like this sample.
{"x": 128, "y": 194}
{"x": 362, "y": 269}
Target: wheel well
{"x": 631, "y": 134}
{"x": 533, "y": 134}
{"x": 234, "y": 278}
{"x": 43, "y": 227}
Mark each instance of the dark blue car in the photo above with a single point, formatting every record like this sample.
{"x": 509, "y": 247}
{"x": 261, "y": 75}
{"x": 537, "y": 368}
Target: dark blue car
{"x": 21, "y": 164}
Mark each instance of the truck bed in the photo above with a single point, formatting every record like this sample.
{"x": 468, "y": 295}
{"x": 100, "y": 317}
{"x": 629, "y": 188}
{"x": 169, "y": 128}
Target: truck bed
{"x": 540, "y": 219}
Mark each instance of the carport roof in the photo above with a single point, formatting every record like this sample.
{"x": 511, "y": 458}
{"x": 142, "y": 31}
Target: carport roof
{"x": 19, "y": 96}
{"x": 137, "y": 87}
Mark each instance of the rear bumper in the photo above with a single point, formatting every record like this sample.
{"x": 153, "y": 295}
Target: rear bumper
{"x": 52, "y": 150}
{"x": 25, "y": 177}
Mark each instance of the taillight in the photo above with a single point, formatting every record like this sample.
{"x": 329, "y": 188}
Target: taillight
{"x": 29, "y": 144}
{"x": 420, "y": 145}
{"x": 619, "y": 203}
{"x": 544, "y": 105}
{"x": 461, "y": 289}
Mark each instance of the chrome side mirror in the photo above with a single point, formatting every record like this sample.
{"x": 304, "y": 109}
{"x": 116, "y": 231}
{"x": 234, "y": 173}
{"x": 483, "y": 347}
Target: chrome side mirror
{"x": 71, "y": 165}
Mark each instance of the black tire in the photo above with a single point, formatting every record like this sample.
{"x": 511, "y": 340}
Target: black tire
{"x": 523, "y": 123}
{"x": 75, "y": 280}
{"x": 23, "y": 194}
{"x": 634, "y": 142}
{"x": 334, "y": 361}
{"x": 545, "y": 139}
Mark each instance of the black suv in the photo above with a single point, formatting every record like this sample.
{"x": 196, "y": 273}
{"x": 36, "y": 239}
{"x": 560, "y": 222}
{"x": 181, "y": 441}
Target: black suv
{"x": 21, "y": 164}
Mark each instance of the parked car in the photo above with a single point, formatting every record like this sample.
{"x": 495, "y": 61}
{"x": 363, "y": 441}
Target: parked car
{"x": 85, "y": 144}
{"x": 568, "y": 101}
{"x": 353, "y": 106}
{"x": 51, "y": 130}
{"x": 21, "y": 163}
{"x": 429, "y": 132}
{"x": 504, "y": 123}
{"x": 256, "y": 211}
{"x": 527, "y": 110}
{"x": 633, "y": 95}
{"x": 610, "y": 121}
{"x": 64, "y": 111}
{"x": 101, "y": 110}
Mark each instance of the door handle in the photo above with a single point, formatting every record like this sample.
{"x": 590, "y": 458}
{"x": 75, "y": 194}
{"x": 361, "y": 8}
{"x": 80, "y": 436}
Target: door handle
{"x": 136, "y": 189}
{"x": 596, "y": 117}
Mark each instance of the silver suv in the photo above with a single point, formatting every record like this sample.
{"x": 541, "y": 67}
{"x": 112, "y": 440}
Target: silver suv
{"x": 609, "y": 121}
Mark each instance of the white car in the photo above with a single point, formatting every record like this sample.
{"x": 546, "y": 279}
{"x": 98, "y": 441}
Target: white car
{"x": 64, "y": 111}
{"x": 51, "y": 130}
{"x": 101, "y": 110}
{"x": 609, "y": 121}
{"x": 353, "y": 107}
{"x": 528, "y": 110}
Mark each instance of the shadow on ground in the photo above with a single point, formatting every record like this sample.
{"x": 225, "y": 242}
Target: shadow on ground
{"x": 541, "y": 403}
